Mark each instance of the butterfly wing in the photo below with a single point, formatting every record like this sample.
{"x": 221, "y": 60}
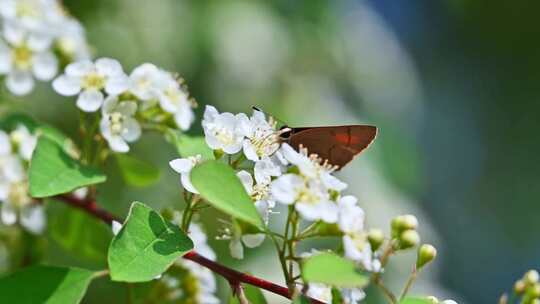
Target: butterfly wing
{"x": 339, "y": 145}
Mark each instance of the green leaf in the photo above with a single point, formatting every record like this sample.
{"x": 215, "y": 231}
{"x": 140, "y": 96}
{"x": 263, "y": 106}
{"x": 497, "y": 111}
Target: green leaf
{"x": 53, "y": 172}
{"x": 191, "y": 146}
{"x": 343, "y": 272}
{"x": 12, "y": 120}
{"x": 146, "y": 246}
{"x": 137, "y": 172}
{"x": 253, "y": 294}
{"x": 219, "y": 185}
{"x": 45, "y": 284}
{"x": 416, "y": 300}
{"x": 77, "y": 232}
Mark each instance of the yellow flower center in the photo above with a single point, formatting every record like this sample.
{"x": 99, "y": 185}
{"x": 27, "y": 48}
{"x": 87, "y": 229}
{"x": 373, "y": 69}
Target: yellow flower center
{"x": 93, "y": 81}
{"x": 22, "y": 57}
{"x": 117, "y": 122}
{"x": 18, "y": 194}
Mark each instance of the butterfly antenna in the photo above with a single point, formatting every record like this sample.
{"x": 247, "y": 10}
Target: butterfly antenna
{"x": 270, "y": 115}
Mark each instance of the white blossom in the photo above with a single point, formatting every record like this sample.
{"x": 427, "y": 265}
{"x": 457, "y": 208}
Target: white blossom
{"x": 39, "y": 16}
{"x": 89, "y": 80}
{"x": 205, "y": 278}
{"x": 24, "y": 57}
{"x": 5, "y": 144}
{"x": 14, "y": 193}
{"x": 310, "y": 166}
{"x": 24, "y": 141}
{"x": 118, "y": 126}
{"x": 223, "y": 130}
{"x": 351, "y": 216}
{"x": 311, "y": 198}
{"x": 184, "y": 167}
{"x": 174, "y": 99}
{"x": 144, "y": 82}
{"x": 261, "y": 138}
{"x": 116, "y": 227}
{"x": 352, "y": 295}
{"x": 449, "y": 302}
{"x": 265, "y": 169}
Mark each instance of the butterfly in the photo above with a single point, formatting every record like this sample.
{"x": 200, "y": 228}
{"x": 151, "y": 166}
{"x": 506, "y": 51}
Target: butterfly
{"x": 338, "y": 145}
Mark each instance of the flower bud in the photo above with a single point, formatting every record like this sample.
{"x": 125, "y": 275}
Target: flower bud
{"x": 408, "y": 239}
{"x": 531, "y": 277}
{"x": 534, "y": 291}
{"x": 519, "y": 287}
{"x": 426, "y": 254}
{"x": 402, "y": 223}
{"x": 375, "y": 238}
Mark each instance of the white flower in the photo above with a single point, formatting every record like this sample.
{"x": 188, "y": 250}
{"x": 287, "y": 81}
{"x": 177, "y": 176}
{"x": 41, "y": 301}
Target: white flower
{"x": 223, "y": 131}
{"x": 33, "y": 15}
{"x": 175, "y": 100}
{"x": 320, "y": 292}
{"x": 71, "y": 40}
{"x": 90, "y": 79}
{"x": 351, "y": 216}
{"x": 24, "y": 141}
{"x": 260, "y": 193}
{"x": 205, "y": 278}
{"x": 5, "y": 144}
{"x": 352, "y": 295}
{"x": 17, "y": 203}
{"x": 449, "y": 302}
{"x": 311, "y": 198}
{"x": 262, "y": 139}
{"x": 310, "y": 166}
{"x": 265, "y": 169}
{"x": 144, "y": 81}
{"x": 118, "y": 125}
{"x": 24, "y": 57}
{"x": 184, "y": 167}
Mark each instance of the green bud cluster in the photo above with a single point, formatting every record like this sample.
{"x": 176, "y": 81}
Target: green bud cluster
{"x": 528, "y": 287}
{"x": 404, "y": 231}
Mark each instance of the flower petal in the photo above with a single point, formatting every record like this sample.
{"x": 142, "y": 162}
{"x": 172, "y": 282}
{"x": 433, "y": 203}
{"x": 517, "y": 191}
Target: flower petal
{"x": 117, "y": 144}
{"x": 45, "y": 66}
{"x": 109, "y": 67}
{"x": 8, "y": 214}
{"x": 247, "y": 180}
{"x": 33, "y": 219}
{"x": 236, "y": 249}
{"x": 117, "y": 85}
{"x": 132, "y": 130}
{"x": 253, "y": 240}
{"x": 90, "y": 100}
{"x": 20, "y": 82}
{"x": 79, "y": 68}
{"x": 181, "y": 165}
{"x": 67, "y": 85}
{"x": 185, "y": 179}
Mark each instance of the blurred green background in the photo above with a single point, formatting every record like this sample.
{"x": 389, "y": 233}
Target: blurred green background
{"x": 453, "y": 85}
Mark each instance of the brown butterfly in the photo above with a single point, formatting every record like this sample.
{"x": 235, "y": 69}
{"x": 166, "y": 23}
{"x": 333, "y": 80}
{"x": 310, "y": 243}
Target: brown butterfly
{"x": 339, "y": 145}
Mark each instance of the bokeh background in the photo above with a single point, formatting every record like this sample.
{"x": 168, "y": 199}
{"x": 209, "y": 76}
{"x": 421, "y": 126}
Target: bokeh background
{"x": 453, "y": 85}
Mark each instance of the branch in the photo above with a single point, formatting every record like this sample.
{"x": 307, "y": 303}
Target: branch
{"x": 234, "y": 277}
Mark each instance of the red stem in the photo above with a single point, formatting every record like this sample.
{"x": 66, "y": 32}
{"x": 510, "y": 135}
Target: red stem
{"x": 234, "y": 277}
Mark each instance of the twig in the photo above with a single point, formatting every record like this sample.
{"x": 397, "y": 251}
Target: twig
{"x": 233, "y": 276}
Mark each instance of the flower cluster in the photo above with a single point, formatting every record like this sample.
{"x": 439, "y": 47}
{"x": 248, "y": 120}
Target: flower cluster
{"x": 16, "y": 148}
{"x": 527, "y": 288}
{"x": 252, "y": 139}
{"x": 148, "y": 95}
{"x": 37, "y": 37}
{"x": 273, "y": 172}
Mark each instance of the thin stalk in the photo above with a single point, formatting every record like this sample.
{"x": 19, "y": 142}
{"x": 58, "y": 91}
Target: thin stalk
{"x": 409, "y": 283}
